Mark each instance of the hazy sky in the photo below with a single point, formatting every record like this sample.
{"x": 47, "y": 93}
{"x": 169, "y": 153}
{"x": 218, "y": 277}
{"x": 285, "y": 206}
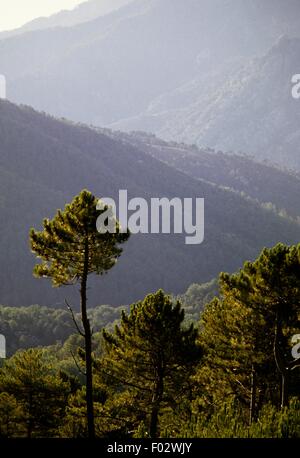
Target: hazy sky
{"x": 14, "y": 13}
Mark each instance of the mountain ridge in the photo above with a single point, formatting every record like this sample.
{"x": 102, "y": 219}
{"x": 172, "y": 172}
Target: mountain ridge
{"x": 83, "y": 12}
{"x": 253, "y": 111}
{"x": 44, "y": 162}
{"x": 109, "y": 62}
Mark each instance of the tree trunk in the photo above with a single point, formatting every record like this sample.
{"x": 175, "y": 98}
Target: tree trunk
{"x": 284, "y": 390}
{"x": 30, "y": 416}
{"x": 156, "y": 401}
{"x": 154, "y": 421}
{"x": 253, "y": 396}
{"x": 280, "y": 362}
{"x": 88, "y": 347}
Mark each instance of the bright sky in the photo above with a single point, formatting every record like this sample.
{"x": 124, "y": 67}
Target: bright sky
{"x": 14, "y": 13}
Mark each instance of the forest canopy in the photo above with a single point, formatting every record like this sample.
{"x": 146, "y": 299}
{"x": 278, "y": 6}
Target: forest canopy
{"x": 224, "y": 370}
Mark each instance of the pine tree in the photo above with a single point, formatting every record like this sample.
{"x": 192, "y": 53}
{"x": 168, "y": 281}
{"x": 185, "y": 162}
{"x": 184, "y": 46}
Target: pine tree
{"x": 152, "y": 355}
{"x": 274, "y": 285}
{"x": 247, "y": 332}
{"x": 71, "y": 248}
{"x": 10, "y": 416}
{"x": 33, "y": 380}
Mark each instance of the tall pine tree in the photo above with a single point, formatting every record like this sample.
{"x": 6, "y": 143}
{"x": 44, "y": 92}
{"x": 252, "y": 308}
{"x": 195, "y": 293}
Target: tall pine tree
{"x": 247, "y": 333}
{"x": 33, "y": 379}
{"x": 71, "y": 248}
{"x": 152, "y": 356}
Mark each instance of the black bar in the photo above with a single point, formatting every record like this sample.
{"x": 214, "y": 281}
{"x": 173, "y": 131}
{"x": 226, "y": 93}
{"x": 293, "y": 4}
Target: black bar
{"x": 145, "y": 448}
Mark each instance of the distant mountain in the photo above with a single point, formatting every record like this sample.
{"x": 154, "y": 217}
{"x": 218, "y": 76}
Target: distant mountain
{"x": 253, "y": 110}
{"x": 116, "y": 66}
{"x": 84, "y": 12}
{"x": 45, "y": 162}
{"x": 262, "y": 181}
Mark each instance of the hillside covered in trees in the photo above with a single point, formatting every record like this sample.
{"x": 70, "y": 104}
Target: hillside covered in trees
{"x": 49, "y": 161}
{"x": 273, "y": 186}
{"x": 40, "y": 326}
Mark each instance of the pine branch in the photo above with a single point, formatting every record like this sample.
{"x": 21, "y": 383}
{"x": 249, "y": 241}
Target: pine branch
{"x": 77, "y": 365}
{"x": 74, "y": 319}
{"x": 124, "y": 382}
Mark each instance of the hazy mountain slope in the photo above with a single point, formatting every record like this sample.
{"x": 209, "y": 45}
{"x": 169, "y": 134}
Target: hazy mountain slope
{"x": 45, "y": 162}
{"x": 85, "y": 11}
{"x": 252, "y": 111}
{"x": 262, "y": 181}
{"x": 114, "y": 67}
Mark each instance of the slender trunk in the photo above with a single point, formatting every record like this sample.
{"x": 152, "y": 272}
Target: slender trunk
{"x": 154, "y": 421}
{"x": 280, "y": 362}
{"x": 88, "y": 347}
{"x": 156, "y": 401}
{"x": 253, "y": 396}
{"x": 284, "y": 390}
{"x": 30, "y": 422}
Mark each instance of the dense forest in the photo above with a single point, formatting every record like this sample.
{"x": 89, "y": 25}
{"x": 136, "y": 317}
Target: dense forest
{"x": 35, "y": 326}
{"x": 222, "y": 360}
{"x": 247, "y": 206}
